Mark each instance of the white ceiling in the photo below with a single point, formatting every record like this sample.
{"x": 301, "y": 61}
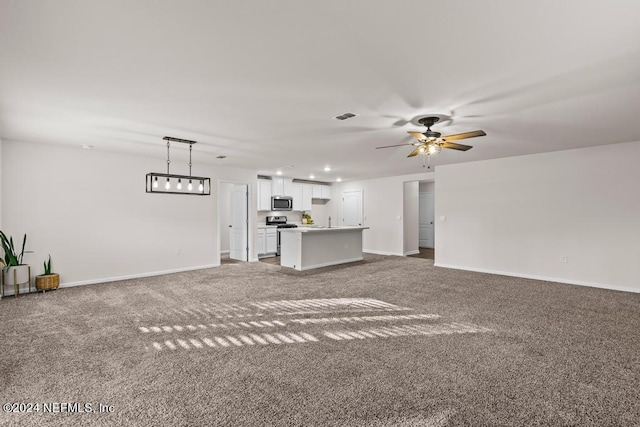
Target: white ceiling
{"x": 260, "y": 81}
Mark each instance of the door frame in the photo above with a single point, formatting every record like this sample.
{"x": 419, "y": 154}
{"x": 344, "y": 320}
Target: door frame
{"x": 250, "y": 218}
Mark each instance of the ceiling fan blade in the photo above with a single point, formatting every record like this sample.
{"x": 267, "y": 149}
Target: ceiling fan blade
{"x": 455, "y": 146}
{"x": 414, "y": 152}
{"x": 417, "y": 135}
{"x": 464, "y": 135}
{"x": 397, "y": 145}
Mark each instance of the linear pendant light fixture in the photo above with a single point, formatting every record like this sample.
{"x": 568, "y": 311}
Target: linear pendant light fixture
{"x": 167, "y": 183}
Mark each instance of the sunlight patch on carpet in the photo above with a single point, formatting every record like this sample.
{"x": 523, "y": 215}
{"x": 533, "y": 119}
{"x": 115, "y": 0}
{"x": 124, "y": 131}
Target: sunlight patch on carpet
{"x": 278, "y": 308}
{"x": 304, "y": 329}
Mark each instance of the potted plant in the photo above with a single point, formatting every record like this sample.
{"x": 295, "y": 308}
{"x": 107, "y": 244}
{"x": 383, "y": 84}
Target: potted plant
{"x": 306, "y": 219}
{"x": 14, "y": 272}
{"x": 48, "y": 280}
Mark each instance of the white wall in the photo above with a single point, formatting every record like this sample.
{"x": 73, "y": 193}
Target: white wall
{"x": 519, "y": 216}
{"x": 1, "y": 185}
{"x": 411, "y": 217}
{"x": 89, "y": 210}
{"x": 383, "y": 200}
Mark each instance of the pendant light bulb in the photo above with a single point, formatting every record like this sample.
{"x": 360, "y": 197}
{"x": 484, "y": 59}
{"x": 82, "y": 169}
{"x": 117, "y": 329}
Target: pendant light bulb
{"x": 179, "y": 184}
{"x": 190, "y": 186}
{"x": 155, "y": 182}
{"x": 201, "y": 187}
{"x": 167, "y": 186}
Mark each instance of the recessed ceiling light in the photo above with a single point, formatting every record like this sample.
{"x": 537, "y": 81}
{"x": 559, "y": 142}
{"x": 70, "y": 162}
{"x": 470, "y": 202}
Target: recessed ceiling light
{"x": 339, "y": 179}
{"x": 327, "y": 168}
{"x": 311, "y": 176}
{"x": 88, "y": 147}
{"x": 278, "y": 172}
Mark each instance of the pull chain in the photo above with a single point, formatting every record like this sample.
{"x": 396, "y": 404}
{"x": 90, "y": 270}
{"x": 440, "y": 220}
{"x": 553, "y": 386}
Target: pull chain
{"x": 168, "y": 159}
{"x": 190, "y": 146}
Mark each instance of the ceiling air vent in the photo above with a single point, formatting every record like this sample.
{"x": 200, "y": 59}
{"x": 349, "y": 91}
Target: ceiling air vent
{"x": 345, "y": 116}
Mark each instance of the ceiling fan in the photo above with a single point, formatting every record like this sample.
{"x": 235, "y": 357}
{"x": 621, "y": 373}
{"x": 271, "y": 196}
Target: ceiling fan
{"x": 431, "y": 142}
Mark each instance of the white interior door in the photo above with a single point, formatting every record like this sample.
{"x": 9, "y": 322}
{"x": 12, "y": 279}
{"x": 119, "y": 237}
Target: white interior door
{"x": 425, "y": 223}
{"x": 352, "y": 208}
{"x": 239, "y": 231}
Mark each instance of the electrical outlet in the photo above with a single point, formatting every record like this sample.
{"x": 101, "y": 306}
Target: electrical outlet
{"x": 179, "y": 251}
{"x": 564, "y": 259}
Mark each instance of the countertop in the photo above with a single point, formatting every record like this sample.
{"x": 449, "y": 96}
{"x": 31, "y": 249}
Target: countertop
{"x": 267, "y": 226}
{"x": 319, "y": 228}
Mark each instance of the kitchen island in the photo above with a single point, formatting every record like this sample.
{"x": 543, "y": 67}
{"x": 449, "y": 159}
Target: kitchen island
{"x": 304, "y": 248}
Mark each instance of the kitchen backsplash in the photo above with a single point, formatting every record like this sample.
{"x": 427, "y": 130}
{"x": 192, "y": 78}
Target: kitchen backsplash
{"x": 319, "y": 213}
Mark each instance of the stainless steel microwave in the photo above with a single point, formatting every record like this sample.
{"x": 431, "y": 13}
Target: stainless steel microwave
{"x": 281, "y": 203}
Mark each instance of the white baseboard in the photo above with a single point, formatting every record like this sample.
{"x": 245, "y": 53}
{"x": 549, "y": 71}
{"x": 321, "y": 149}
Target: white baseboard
{"x": 373, "y": 251}
{"x": 225, "y": 252}
{"x": 412, "y": 252}
{"x": 544, "y": 278}
{"x": 136, "y": 276}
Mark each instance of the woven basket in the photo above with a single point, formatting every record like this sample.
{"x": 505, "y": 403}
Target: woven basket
{"x": 47, "y": 282}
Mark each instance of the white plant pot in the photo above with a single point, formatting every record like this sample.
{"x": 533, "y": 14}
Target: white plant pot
{"x": 19, "y": 274}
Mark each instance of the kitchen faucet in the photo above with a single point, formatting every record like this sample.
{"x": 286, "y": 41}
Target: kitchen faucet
{"x": 329, "y": 222}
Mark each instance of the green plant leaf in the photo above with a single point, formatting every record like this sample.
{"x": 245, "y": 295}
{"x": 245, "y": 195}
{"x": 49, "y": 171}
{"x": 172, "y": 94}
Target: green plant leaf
{"x": 47, "y": 266}
{"x": 24, "y": 242}
{"x": 10, "y": 257}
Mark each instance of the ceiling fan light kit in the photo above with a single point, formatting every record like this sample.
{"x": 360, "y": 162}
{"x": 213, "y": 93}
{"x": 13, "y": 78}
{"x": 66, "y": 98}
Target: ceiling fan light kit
{"x": 431, "y": 142}
{"x": 168, "y": 183}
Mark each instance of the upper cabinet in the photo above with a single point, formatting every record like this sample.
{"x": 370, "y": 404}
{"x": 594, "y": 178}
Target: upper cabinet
{"x": 317, "y": 191}
{"x": 326, "y": 191}
{"x": 301, "y": 192}
{"x": 264, "y": 195}
{"x": 307, "y": 194}
{"x": 287, "y": 186}
{"x": 296, "y": 193}
{"x": 321, "y": 191}
{"x": 281, "y": 186}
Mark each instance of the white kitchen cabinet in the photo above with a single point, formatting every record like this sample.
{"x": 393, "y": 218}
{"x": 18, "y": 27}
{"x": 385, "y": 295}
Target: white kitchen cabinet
{"x": 296, "y": 193}
{"x": 277, "y": 186}
{"x": 287, "y": 187}
{"x": 326, "y": 192}
{"x": 281, "y": 186}
{"x": 307, "y": 194}
{"x": 317, "y": 191}
{"x": 261, "y": 241}
{"x": 321, "y": 191}
{"x": 264, "y": 195}
{"x": 271, "y": 244}
{"x": 267, "y": 242}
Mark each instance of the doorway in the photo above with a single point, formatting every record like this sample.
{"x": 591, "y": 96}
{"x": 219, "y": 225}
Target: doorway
{"x": 425, "y": 221}
{"x": 233, "y": 222}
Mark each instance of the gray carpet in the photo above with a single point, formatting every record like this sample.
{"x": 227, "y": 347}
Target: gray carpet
{"x": 387, "y": 341}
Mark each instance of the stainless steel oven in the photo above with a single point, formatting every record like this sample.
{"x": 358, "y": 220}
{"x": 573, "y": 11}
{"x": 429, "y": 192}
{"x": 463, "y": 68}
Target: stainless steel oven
{"x": 281, "y": 222}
